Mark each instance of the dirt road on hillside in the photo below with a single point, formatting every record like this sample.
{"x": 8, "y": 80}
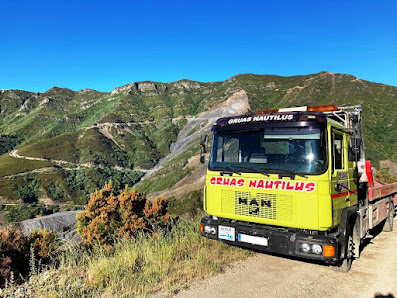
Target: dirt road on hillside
{"x": 375, "y": 273}
{"x": 62, "y": 163}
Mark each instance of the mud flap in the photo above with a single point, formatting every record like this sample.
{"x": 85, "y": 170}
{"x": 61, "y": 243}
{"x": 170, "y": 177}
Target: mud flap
{"x": 356, "y": 238}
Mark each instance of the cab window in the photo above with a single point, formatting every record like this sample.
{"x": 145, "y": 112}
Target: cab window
{"x": 228, "y": 149}
{"x": 337, "y": 151}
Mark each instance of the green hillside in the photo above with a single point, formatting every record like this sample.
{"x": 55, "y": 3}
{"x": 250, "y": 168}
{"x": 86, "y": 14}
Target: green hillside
{"x": 11, "y": 166}
{"x": 378, "y": 101}
{"x": 89, "y": 137}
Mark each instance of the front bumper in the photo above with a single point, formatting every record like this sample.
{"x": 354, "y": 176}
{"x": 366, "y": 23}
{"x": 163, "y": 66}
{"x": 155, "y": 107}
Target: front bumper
{"x": 278, "y": 241}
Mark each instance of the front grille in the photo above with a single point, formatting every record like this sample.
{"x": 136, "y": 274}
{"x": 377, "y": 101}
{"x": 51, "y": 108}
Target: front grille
{"x": 262, "y": 205}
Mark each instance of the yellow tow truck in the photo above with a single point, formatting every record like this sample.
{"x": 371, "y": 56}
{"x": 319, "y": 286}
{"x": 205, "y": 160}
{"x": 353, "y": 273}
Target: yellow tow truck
{"x": 295, "y": 182}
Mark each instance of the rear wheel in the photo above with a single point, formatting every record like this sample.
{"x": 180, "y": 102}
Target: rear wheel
{"x": 388, "y": 227}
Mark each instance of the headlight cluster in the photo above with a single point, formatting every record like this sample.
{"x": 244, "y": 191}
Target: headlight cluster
{"x": 208, "y": 229}
{"x": 327, "y": 250}
{"x": 310, "y": 248}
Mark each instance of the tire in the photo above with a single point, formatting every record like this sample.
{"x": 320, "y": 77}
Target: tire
{"x": 347, "y": 262}
{"x": 388, "y": 227}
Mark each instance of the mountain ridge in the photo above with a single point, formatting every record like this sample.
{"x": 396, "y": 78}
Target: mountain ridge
{"x": 194, "y": 81}
{"x": 135, "y": 125}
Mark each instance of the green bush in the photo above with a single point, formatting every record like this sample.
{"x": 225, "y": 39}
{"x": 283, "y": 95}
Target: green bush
{"x": 29, "y": 192}
{"x": 8, "y": 142}
{"x": 43, "y": 243}
{"x": 85, "y": 181}
{"x": 189, "y": 206}
{"x": 385, "y": 177}
{"x": 17, "y": 213}
{"x": 56, "y": 192}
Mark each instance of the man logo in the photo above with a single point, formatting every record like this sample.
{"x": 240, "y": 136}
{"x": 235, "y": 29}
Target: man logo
{"x": 253, "y": 206}
{"x": 263, "y": 202}
{"x": 255, "y": 202}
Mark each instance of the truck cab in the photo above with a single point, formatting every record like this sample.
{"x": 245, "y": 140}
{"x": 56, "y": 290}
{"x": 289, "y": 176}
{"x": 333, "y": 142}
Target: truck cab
{"x": 283, "y": 181}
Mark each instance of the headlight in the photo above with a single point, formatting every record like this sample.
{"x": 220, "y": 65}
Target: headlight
{"x": 317, "y": 249}
{"x": 305, "y": 247}
{"x": 210, "y": 230}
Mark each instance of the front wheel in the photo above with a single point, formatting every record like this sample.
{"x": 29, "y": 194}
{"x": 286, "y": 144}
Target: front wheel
{"x": 346, "y": 263}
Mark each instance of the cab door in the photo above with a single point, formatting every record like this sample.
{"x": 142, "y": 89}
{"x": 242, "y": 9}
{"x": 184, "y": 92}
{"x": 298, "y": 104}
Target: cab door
{"x": 339, "y": 177}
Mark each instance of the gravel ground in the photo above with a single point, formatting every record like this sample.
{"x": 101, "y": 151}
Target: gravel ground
{"x": 375, "y": 273}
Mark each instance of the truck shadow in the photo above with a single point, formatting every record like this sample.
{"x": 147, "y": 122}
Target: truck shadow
{"x": 373, "y": 234}
{"x": 292, "y": 258}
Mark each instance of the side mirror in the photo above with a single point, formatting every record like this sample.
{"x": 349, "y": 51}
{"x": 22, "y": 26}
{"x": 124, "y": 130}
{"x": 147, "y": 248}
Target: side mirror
{"x": 354, "y": 149}
{"x": 204, "y": 148}
{"x": 204, "y": 144}
{"x": 338, "y": 187}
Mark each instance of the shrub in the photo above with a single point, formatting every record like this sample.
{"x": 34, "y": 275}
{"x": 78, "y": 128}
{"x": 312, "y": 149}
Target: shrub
{"x": 188, "y": 206}
{"x": 385, "y": 177}
{"x": 43, "y": 242}
{"x": 107, "y": 216}
{"x": 138, "y": 267}
{"x": 56, "y": 192}
{"x": 14, "y": 251}
{"x": 22, "y": 212}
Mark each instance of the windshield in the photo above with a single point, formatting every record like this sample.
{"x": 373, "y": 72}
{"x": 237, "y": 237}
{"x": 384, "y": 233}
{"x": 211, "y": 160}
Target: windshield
{"x": 272, "y": 150}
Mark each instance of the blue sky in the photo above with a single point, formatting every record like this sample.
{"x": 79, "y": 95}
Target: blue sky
{"x": 106, "y": 44}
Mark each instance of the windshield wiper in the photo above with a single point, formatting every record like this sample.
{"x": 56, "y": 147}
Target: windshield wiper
{"x": 251, "y": 170}
{"x": 236, "y": 170}
{"x": 228, "y": 170}
{"x": 287, "y": 173}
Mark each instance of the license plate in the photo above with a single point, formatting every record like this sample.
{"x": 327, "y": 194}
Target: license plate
{"x": 226, "y": 233}
{"x": 253, "y": 239}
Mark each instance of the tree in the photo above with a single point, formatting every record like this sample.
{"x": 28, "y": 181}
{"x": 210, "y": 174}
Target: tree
{"x": 29, "y": 192}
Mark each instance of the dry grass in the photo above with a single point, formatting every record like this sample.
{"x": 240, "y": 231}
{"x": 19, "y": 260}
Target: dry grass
{"x": 138, "y": 267}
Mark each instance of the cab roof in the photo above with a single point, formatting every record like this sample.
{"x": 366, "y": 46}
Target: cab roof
{"x": 272, "y": 119}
